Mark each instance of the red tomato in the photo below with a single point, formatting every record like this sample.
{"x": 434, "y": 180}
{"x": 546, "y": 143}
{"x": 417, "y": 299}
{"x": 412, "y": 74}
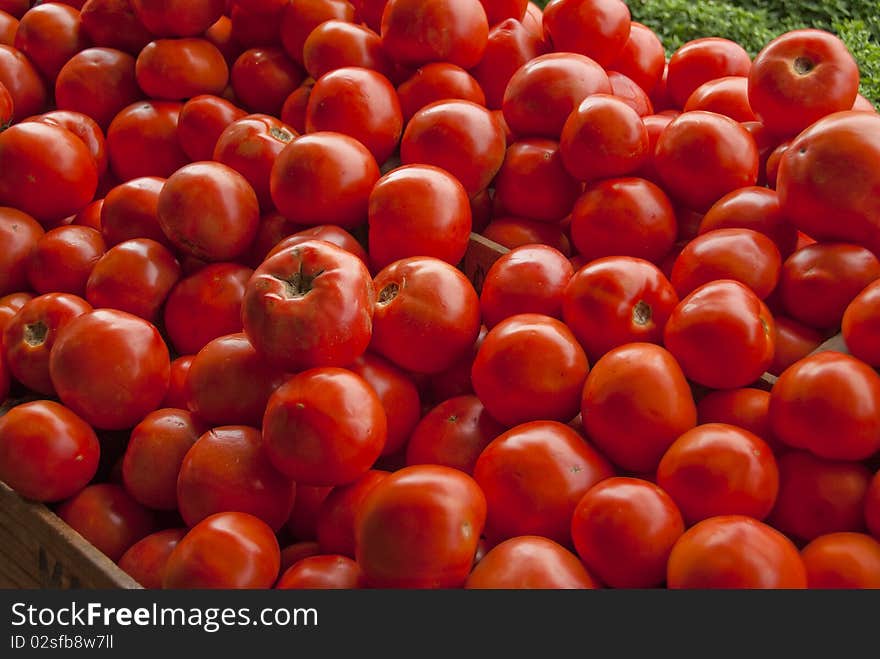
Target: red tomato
{"x": 543, "y": 92}
{"x": 209, "y": 210}
{"x": 107, "y": 517}
{"x": 9, "y": 306}
{"x": 419, "y": 528}
{"x": 642, "y": 58}
{"x": 255, "y": 28}
{"x": 178, "y": 18}
{"x": 142, "y": 140}
{"x": 23, "y": 82}
{"x": 220, "y": 34}
{"x": 228, "y": 469}
{"x": 860, "y": 325}
{"x": 616, "y": 300}
{"x": 327, "y": 448}
{"x": 794, "y": 341}
{"x": 501, "y": 10}
{"x": 722, "y": 335}
{"x": 263, "y": 78}
{"x": 733, "y": 551}
{"x": 304, "y": 517}
{"x": 16, "y": 8}
{"x": 306, "y": 185}
{"x": 178, "y": 395}
{"x": 48, "y": 171}
{"x": 427, "y": 314}
{"x": 510, "y": 46}
{"x": 728, "y": 95}
{"x": 745, "y": 408}
{"x": 31, "y": 333}
{"x": 327, "y": 232}
{"x": 530, "y": 562}
{"x": 114, "y": 24}
{"x": 829, "y": 404}
{"x": 800, "y": 77}
{"x": 8, "y": 28}
{"x": 293, "y": 112}
{"x": 130, "y": 212}
{"x": 438, "y": 81}
{"x": 533, "y": 477}
{"x": 310, "y": 305}
{"x": 19, "y": 236}
{"x": 338, "y": 512}
{"x": 49, "y": 35}
{"x": 145, "y": 560}
{"x": 818, "y": 496}
{"x": 819, "y": 282}
{"x": 325, "y": 572}
{"x": 842, "y": 560}
{"x": 85, "y": 128}
{"x": 595, "y": 28}
{"x": 154, "y": 454}
{"x": 178, "y": 69}
{"x": 771, "y": 164}
{"x": 294, "y": 553}
{"x": 7, "y": 109}
{"x": 872, "y": 507}
{"x": 627, "y": 91}
{"x": 360, "y": 103}
{"x": 301, "y": 18}
{"x": 47, "y": 452}
{"x": 226, "y": 550}
{"x": 514, "y": 232}
{"x": 337, "y": 44}
{"x": 84, "y": 367}
{"x": 702, "y": 156}
{"x": 408, "y": 27}
{"x": 205, "y": 306}
{"x": 99, "y": 82}
{"x": 624, "y": 530}
{"x": 702, "y": 60}
{"x": 63, "y": 260}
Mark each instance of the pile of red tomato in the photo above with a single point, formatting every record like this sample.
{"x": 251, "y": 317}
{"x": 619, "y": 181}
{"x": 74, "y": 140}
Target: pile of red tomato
{"x": 238, "y": 350}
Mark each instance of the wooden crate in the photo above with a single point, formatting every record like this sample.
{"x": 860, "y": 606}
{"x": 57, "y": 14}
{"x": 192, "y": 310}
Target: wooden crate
{"x": 38, "y": 550}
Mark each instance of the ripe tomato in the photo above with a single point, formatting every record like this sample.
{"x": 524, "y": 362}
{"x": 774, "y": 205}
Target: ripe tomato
{"x": 209, "y": 210}
{"x": 130, "y": 212}
{"x": 48, "y": 171}
{"x": 114, "y": 24}
{"x": 745, "y": 408}
{"x": 178, "y": 18}
{"x": 626, "y": 90}
{"x": 306, "y": 186}
{"x": 702, "y": 60}
{"x": 842, "y": 560}
{"x": 624, "y": 530}
{"x": 819, "y": 282}
{"x": 19, "y": 236}
{"x": 616, "y": 300}
{"x": 8, "y": 28}
{"x": 205, "y": 306}
{"x": 153, "y": 456}
{"x": 47, "y": 452}
{"x": 510, "y": 46}
{"x": 99, "y": 82}
{"x": 255, "y": 27}
{"x": 530, "y": 562}
{"x": 63, "y": 260}
{"x": 722, "y": 335}
{"x": 623, "y": 217}
{"x": 202, "y": 121}
{"x": 419, "y": 528}
{"x": 107, "y": 517}
{"x": 310, "y": 305}
{"x": 702, "y": 156}
{"x": 327, "y": 232}
{"x": 226, "y": 550}
{"x": 859, "y": 325}
{"x": 7, "y": 109}
{"x": 23, "y": 82}
{"x": 543, "y": 92}
{"x": 49, "y": 35}
{"x": 800, "y": 77}
{"x": 294, "y": 553}
{"x": 818, "y": 496}
{"x": 327, "y": 572}
{"x": 337, "y": 44}
{"x": 642, "y": 58}
{"x": 533, "y": 476}
{"x": 85, "y": 128}
{"x": 728, "y": 95}
{"x": 263, "y": 78}
{"x": 145, "y": 560}
{"x": 360, "y": 103}
{"x": 178, "y": 69}
{"x": 872, "y": 507}
{"x": 734, "y": 551}
{"x": 327, "y": 448}
{"x": 304, "y": 517}
{"x": 514, "y": 232}
{"x": 427, "y": 314}
{"x": 220, "y": 34}
{"x": 595, "y": 28}
{"x": 299, "y": 19}
{"x": 178, "y": 395}
{"x": 438, "y": 81}
{"x": 794, "y": 341}
{"x": 829, "y": 404}
{"x": 142, "y": 140}
{"x": 642, "y": 383}
{"x": 84, "y": 367}
{"x": 31, "y": 333}
{"x": 338, "y": 512}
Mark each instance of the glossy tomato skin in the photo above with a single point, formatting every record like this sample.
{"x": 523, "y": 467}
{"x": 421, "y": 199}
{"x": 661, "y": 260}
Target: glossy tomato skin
{"x": 859, "y": 325}
{"x": 19, "y": 236}
{"x": 624, "y": 529}
{"x": 229, "y": 383}
{"x": 49, "y": 35}
{"x": 177, "y": 396}
{"x": 228, "y": 469}
{"x": 702, "y": 60}
{"x": 294, "y": 553}
{"x": 329, "y": 232}
{"x": 178, "y": 69}
{"x": 48, "y": 171}
{"x": 530, "y": 367}
{"x": 794, "y": 341}
{"x": 327, "y": 571}
{"x": 226, "y": 550}
{"x": 47, "y": 452}
{"x": 335, "y": 525}
{"x": 85, "y": 128}
{"x": 642, "y": 58}
{"x": 263, "y": 78}
{"x": 31, "y": 333}
{"x": 427, "y": 314}
{"x": 533, "y": 476}
{"x": 145, "y": 560}
{"x": 301, "y": 18}
{"x": 203, "y": 119}
{"x": 310, "y": 305}
{"x": 800, "y": 77}
{"x": 114, "y": 24}
{"x": 305, "y": 183}
{"x": 595, "y": 28}
{"x": 734, "y": 551}
{"x": 418, "y": 210}
{"x": 530, "y": 563}
{"x": 205, "y": 306}
{"x": 142, "y": 140}
{"x": 637, "y": 309}
{"x": 842, "y": 560}
{"x": 511, "y": 232}
{"x": 728, "y": 95}
{"x": 818, "y": 496}
{"x": 722, "y": 334}
{"x": 333, "y": 444}
{"x": 335, "y": 44}
{"x": 419, "y": 528}
{"x": 510, "y": 46}
{"x": 745, "y": 408}
{"x": 178, "y": 18}
{"x": 23, "y": 82}
{"x": 64, "y": 258}
{"x": 130, "y": 211}
{"x": 153, "y": 456}
{"x": 434, "y": 82}
{"x": 82, "y": 367}
{"x": 640, "y": 382}
{"x": 107, "y": 516}
{"x": 828, "y": 403}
